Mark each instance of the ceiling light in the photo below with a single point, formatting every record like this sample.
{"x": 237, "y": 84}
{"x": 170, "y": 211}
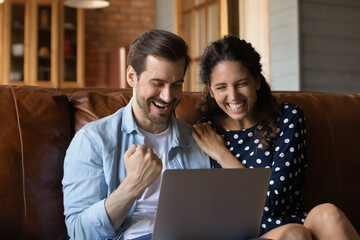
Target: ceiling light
{"x": 88, "y": 4}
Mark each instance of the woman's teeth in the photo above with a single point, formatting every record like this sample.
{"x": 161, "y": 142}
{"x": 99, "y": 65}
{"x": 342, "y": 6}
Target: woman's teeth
{"x": 236, "y": 106}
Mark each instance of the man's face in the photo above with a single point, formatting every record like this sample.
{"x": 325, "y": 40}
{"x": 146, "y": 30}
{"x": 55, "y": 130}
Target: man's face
{"x": 157, "y": 92}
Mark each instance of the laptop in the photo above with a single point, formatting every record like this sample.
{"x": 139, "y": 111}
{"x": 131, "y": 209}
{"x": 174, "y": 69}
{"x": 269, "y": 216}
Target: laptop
{"x": 211, "y": 204}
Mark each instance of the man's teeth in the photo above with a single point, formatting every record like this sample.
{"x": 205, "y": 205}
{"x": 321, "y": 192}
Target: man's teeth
{"x": 162, "y": 105}
{"x": 236, "y": 106}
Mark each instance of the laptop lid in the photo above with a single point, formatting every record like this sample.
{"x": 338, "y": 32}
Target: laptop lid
{"x": 211, "y": 203}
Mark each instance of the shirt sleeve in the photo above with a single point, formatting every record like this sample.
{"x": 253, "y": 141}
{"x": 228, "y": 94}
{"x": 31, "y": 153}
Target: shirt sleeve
{"x": 85, "y": 190}
{"x": 288, "y": 165}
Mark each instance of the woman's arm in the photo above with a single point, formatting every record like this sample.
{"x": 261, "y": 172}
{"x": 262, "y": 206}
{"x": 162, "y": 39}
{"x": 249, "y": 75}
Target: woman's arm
{"x": 214, "y": 145}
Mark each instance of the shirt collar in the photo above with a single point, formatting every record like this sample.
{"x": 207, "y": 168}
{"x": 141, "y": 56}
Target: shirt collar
{"x": 129, "y": 125}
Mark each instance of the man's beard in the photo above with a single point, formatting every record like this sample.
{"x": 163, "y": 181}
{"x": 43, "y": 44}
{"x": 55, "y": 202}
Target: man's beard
{"x": 144, "y": 105}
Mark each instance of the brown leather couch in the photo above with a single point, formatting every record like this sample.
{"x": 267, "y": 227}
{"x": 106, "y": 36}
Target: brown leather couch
{"x": 37, "y": 125}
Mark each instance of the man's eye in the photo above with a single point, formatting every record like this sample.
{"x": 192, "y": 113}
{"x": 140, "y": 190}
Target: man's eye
{"x": 156, "y": 84}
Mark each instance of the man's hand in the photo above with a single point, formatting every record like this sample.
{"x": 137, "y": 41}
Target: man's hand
{"x": 143, "y": 166}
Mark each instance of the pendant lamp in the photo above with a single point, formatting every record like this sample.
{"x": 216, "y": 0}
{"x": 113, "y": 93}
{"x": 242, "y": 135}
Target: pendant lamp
{"x": 87, "y": 4}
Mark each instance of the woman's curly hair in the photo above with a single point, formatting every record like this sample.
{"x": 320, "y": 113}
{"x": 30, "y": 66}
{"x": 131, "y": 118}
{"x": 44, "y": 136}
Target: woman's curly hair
{"x": 266, "y": 108}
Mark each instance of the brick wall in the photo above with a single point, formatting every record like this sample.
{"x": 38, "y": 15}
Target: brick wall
{"x": 110, "y": 27}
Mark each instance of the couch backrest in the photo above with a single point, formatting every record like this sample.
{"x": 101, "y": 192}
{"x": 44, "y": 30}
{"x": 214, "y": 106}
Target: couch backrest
{"x": 35, "y": 132}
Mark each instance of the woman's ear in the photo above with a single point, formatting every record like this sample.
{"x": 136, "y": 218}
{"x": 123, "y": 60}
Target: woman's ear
{"x": 210, "y": 91}
{"x": 131, "y": 76}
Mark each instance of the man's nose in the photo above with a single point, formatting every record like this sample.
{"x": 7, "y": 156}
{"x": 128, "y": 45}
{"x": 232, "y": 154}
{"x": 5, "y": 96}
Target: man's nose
{"x": 165, "y": 94}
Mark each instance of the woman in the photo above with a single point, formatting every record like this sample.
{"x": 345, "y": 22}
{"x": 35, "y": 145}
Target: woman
{"x": 245, "y": 127}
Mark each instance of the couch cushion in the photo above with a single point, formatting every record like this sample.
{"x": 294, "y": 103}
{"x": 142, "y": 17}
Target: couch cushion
{"x": 35, "y": 133}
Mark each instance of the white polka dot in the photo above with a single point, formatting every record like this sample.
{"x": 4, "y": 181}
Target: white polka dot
{"x": 282, "y": 133}
{"x": 252, "y": 153}
{"x": 250, "y": 134}
{"x": 286, "y": 106}
{"x": 263, "y": 225}
{"x": 294, "y": 111}
{"x": 267, "y": 153}
{"x": 287, "y": 164}
{"x": 284, "y": 189}
{"x": 300, "y": 120}
{"x": 236, "y": 136}
{"x": 269, "y": 220}
{"x": 276, "y": 191}
{"x": 290, "y": 175}
{"x": 277, "y": 222}
{"x": 237, "y": 155}
{"x": 291, "y": 125}
{"x": 296, "y": 135}
{"x": 247, "y": 148}
{"x": 227, "y": 143}
{"x": 240, "y": 141}
{"x": 266, "y": 209}
{"x": 267, "y": 166}
{"x": 277, "y": 148}
{"x": 251, "y": 167}
{"x": 231, "y": 149}
{"x": 282, "y": 178}
{"x": 286, "y": 120}
{"x": 260, "y": 145}
{"x": 276, "y": 202}
{"x": 271, "y": 182}
{"x": 281, "y": 155}
{"x": 277, "y": 169}
{"x": 256, "y": 141}
{"x": 244, "y": 162}
{"x": 286, "y": 140}
{"x": 292, "y": 149}
{"x": 258, "y": 160}
{"x": 302, "y": 220}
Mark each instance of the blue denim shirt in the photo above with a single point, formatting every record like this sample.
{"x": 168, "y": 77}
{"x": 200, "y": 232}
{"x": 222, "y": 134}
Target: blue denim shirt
{"x": 94, "y": 168}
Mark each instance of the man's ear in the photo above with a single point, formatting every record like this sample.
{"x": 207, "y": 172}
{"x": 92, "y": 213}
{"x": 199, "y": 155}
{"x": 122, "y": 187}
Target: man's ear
{"x": 131, "y": 76}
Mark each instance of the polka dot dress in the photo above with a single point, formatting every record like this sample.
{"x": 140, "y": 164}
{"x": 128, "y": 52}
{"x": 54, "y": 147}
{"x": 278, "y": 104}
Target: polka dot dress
{"x": 286, "y": 158}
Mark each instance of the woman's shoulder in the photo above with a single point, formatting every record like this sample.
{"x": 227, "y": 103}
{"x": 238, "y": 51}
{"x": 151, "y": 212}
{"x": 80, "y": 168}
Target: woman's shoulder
{"x": 291, "y": 114}
{"x": 290, "y": 109}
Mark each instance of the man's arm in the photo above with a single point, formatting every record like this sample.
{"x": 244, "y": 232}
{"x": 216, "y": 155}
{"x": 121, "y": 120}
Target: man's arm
{"x": 142, "y": 167}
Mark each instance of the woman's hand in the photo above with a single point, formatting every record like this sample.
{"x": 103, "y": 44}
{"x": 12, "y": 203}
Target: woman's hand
{"x": 214, "y": 145}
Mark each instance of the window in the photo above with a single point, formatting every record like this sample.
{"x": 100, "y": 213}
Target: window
{"x": 198, "y": 23}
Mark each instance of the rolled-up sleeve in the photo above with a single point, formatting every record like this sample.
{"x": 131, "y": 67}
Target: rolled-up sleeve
{"x": 85, "y": 190}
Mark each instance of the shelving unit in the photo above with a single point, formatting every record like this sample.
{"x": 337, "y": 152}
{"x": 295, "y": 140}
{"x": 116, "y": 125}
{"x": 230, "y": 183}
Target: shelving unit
{"x": 41, "y": 43}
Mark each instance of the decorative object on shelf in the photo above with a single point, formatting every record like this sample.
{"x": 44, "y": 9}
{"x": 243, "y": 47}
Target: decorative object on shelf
{"x": 68, "y": 51}
{"x": 87, "y": 4}
{"x": 44, "y": 51}
{"x": 17, "y": 49}
{"x": 44, "y": 19}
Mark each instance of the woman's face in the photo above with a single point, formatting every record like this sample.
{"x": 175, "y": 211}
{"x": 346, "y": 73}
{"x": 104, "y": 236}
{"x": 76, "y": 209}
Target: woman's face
{"x": 234, "y": 90}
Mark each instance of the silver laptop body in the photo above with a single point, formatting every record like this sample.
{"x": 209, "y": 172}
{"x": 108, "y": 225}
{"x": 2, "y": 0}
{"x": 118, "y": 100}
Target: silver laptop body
{"x": 211, "y": 204}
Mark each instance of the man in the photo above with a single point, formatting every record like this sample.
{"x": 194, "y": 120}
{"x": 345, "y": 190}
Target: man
{"x": 113, "y": 166}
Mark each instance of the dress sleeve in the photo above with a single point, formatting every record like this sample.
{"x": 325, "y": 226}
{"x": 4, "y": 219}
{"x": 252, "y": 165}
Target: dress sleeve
{"x": 288, "y": 168}
{"x": 85, "y": 190}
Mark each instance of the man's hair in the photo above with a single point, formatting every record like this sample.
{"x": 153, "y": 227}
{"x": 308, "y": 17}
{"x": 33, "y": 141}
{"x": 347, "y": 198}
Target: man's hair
{"x": 158, "y": 43}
